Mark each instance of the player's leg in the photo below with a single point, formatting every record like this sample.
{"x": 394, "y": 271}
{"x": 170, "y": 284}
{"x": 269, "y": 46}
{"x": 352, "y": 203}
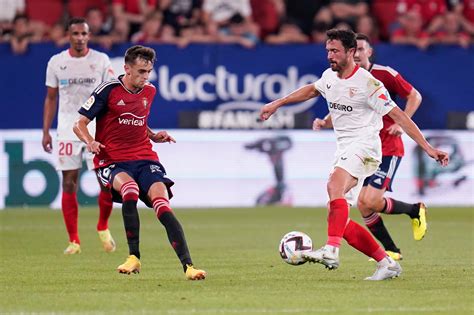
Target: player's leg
{"x": 158, "y": 187}
{"x": 124, "y": 183}
{"x": 104, "y": 200}
{"x": 382, "y": 180}
{"x": 372, "y": 198}
{"x": 340, "y": 182}
{"x": 105, "y": 209}
{"x": 70, "y": 210}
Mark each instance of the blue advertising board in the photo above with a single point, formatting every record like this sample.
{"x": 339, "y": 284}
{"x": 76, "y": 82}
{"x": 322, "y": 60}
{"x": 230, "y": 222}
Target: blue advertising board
{"x": 226, "y": 78}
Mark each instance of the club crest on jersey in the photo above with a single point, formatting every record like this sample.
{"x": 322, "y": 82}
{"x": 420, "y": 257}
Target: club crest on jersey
{"x": 87, "y": 105}
{"x": 352, "y": 92}
{"x": 145, "y": 102}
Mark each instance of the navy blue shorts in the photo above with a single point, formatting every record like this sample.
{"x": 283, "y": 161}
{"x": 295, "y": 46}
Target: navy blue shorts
{"x": 383, "y": 176}
{"x": 144, "y": 172}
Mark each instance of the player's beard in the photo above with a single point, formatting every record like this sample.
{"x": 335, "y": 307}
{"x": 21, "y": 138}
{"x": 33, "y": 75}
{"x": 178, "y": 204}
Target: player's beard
{"x": 338, "y": 66}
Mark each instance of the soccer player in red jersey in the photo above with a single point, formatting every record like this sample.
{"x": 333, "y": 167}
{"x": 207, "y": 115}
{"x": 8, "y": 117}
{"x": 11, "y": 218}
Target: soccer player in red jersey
{"x": 124, "y": 158}
{"x": 371, "y": 200}
{"x": 356, "y": 102}
{"x": 72, "y": 75}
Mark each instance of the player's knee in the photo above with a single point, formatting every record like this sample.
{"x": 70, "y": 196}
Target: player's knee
{"x": 69, "y": 186}
{"x": 334, "y": 190}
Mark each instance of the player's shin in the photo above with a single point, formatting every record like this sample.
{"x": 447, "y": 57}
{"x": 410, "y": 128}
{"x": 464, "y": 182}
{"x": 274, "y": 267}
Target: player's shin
{"x": 337, "y": 220}
{"x": 360, "y": 239}
{"x": 131, "y": 220}
{"x": 174, "y": 230}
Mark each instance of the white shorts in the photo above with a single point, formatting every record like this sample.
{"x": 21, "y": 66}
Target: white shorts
{"x": 71, "y": 154}
{"x": 360, "y": 161}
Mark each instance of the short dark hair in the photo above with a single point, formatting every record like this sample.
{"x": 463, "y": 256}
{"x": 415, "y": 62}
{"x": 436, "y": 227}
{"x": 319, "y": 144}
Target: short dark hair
{"x": 347, "y": 38}
{"x": 75, "y": 20}
{"x": 142, "y": 52}
{"x": 361, "y": 36}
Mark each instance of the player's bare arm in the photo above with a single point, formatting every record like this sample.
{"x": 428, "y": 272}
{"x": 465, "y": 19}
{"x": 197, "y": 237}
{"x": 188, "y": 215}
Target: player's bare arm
{"x": 50, "y": 106}
{"x": 160, "y": 137}
{"x": 81, "y": 131}
{"x": 325, "y": 123}
{"x": 300, "y": 95}
{"x": 401, "y": 118}
{"x": 413, "y": 102}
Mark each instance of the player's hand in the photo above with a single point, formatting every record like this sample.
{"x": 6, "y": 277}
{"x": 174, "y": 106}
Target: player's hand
{"x": 162, "y": 136}
{"x": 267, "y": 110}
{"x": 318, "y": 123}
{"x": 47, "y": 142}
{"x": 395, "y": 130}
{"x": 440, "y": 156}
{"x": 95, "y": 147}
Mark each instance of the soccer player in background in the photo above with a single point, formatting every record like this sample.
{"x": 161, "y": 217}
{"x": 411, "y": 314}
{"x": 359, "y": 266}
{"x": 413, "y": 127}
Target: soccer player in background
{"x": 72, "y": 75}
{"x": 371, "y": 198}
{"x": 357, "y": 101}
{"x": 124, "y": 158}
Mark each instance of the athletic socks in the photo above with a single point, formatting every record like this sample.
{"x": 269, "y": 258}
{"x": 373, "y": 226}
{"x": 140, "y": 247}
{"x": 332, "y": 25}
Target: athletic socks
{"x": 131, "y": 220}
{"x": 360, "y": 239}
{"x": 375, "y": 224}
{"x": 69, "y": 209}
{"x": 337, "y": 220}
{"x": 173, "y": 229}
{"x": 393, "y": 206}
{"x": 105, "y": 209}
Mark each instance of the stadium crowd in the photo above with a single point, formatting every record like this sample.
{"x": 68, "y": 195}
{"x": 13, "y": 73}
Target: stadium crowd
{"x": 246, "y": 22}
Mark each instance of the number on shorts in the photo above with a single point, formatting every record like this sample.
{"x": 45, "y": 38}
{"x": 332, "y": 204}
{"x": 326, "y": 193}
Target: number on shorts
{"x": 65, "y": 148}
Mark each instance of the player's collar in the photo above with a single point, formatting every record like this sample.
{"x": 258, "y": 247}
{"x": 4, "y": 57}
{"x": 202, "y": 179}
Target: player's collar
{"x": 70, "y": 54}
{"x": 353, "y": 72}
{"x": 120, "y": 77}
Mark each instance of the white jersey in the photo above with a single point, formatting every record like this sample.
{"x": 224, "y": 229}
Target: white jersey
{"x": 76, "y": 79}
{"x": 356, "y": 105}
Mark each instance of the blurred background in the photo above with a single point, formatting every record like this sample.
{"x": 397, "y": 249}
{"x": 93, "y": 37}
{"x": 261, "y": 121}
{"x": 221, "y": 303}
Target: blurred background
{"x": 218, "y": 62}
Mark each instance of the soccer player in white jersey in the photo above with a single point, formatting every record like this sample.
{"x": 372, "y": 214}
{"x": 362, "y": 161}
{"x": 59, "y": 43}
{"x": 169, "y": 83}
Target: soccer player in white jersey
{"x": 72, "y": 75}
{"x": 357, "y": 101}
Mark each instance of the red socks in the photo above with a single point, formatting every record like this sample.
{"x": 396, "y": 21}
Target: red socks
{"x": 161, "y": 205}
{"x": 337, "y": 220}
{"x": 105, "y": 209}
{"x": 70, "y": 214}
{"x": 362, "y": 240}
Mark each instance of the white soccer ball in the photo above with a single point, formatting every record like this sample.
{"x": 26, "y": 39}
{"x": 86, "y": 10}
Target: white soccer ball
{"x": 293, "y": 245}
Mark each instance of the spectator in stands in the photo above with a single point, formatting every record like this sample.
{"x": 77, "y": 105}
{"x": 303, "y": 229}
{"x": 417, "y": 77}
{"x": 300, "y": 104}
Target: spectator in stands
{"x": 21, "y": 34}
{"x": 154, "y": 31}
{"x": 194, "y": 34}
{"x": 366, "y": 25}
{"x": 303, "y": 12}
{"x": 217, "y": 14}
{"x": 465, "y": 10}
{"x": 288, "y": 33}
{"x": 318, "y": 35}
{"x": 237, "y": 31}
{"x": 430, "y": 11}
{"x": 133, "y": 11}
{"x": 180, "y": 13}
{"x": 348, "y": 10}
{"x": 10, "y": 9}
{"x": 267, "y": 14}
{"x": 57, "y": 34}
{"x": 99, "y": 31}
{"x": 452, "y": 31}
{"x": 120, "y": 31}
{"x": 411, "y": 31}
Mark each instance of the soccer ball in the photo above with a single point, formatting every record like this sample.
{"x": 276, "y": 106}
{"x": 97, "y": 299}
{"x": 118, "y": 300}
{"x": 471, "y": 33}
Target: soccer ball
{"x": 293, "y": 245}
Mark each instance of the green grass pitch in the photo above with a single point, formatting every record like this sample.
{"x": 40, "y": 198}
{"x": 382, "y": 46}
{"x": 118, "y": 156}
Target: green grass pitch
{"x": 238, "y": 249}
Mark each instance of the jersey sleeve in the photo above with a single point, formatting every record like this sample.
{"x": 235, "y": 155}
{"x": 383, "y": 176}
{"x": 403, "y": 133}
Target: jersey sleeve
{"x": 108, "y": 72}
{"x": 51, "y": 78}
{"x": 95, "y": 105}
{"x": 378, "y": 97}
{"x": 401, "y": 86}
{"x": 321, "y": 86}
